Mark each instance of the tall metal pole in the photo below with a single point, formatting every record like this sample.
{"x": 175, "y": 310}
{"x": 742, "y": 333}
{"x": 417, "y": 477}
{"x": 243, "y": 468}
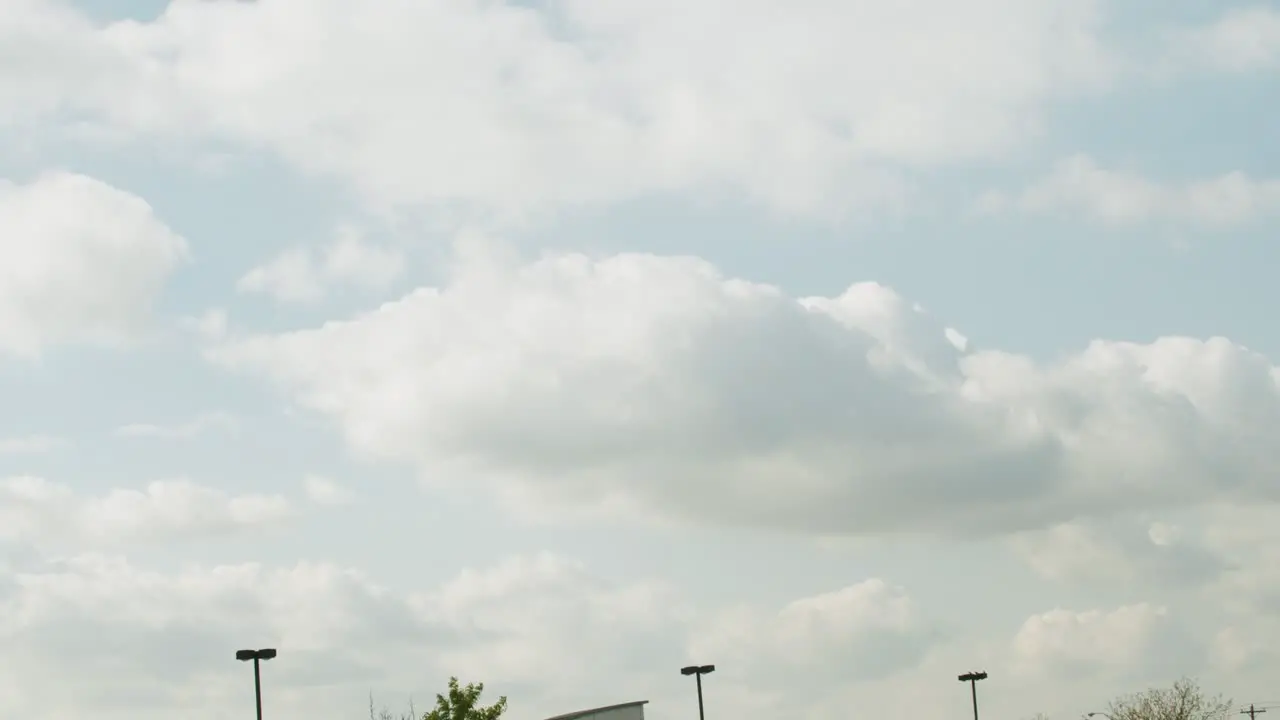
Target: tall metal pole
{"x": 256, "y": 656}
{"x": 697, "y": 671}
{"x": 972, "y": 678}
{"x": 257, "y": 687}
{"x": 700, "y": 715}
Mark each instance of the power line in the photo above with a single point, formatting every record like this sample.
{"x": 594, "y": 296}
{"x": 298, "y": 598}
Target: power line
{"x": 1253, "y": 712}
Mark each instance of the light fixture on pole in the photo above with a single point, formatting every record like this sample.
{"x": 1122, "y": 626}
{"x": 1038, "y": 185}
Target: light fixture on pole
{"x": 698, "y": 671}
{"x": 972, "y": 678}
{"x": 255, "y": 656}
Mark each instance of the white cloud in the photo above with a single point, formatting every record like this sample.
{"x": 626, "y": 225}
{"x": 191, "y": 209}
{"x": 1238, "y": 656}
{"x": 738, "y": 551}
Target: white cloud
{"x": 516, "y": 107}
{"x": 30, "y": 444}
{"x": 1119, "y": 550}
{"x": 677, "y": 391}
{"x": 302, "y": 275}
{"x": 1249, "y": 537}
{"x": 34, "y": 510}
{"x": 547, "y": 626}
{"x": 144, "y": 644}
{"x": 65, "y": 64}
{"x": 1139, "y": 639}
{"x": 289, "y": 276}
{"x": 633, "y": 384}
{"x": 1243, "y": 39}
{"x": 531, "y": 627}
{"x": 211, "y": 325}
{"x": 80, "y": 261}
{"x": 1235, "y": 647}
{"x": 541, "y": 628}
{"x": 323, "y": 491}
{"x": 1078, "y": 186}
{"x": 189, "y": 429}
{"x": 864, "y": 631}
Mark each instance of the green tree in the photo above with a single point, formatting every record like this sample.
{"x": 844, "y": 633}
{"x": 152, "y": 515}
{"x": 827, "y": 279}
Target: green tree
{"x": 1183, "y": 701}
{"x": 463, "y": 703}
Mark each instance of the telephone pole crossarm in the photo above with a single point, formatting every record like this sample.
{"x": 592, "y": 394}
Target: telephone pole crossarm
{"x": 1253, "y": 712}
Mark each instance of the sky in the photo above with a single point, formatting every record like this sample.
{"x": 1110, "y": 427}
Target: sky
{"x": 557, "y": 344}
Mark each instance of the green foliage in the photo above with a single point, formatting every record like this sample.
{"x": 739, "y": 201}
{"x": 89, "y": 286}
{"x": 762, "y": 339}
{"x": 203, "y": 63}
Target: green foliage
{"x": 463, "y": 703}
{"x": 1183, "y": 701}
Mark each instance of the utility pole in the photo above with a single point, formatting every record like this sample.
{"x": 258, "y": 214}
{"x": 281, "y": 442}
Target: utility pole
{"x": 1252, "y": 712}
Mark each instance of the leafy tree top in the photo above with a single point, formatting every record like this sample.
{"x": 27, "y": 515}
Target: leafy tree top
{"x": 463, "y": 703}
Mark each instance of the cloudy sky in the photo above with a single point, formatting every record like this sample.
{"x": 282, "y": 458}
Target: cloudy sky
{"x": 847, "y": 345}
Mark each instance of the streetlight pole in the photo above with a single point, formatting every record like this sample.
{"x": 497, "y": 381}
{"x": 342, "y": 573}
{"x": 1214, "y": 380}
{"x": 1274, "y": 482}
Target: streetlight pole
{"x": 972, "y": 678}
{"x": 697, "y": 671}
{"x": 255, "y": 656}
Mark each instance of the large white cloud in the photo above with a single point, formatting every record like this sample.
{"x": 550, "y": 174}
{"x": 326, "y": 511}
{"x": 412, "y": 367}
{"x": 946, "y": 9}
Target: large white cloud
{"x": 655, "y": 383}
{"x": 1245, "y": 38}
{"x": 100, "y": 632}
{"x": 301, "y": 275}
{"x": 518, "y": 106}
{"x": 34, "y": 510}
{"x": 541, "y": 628}
{"x": 869, "y": 630}
{"x": 202, "y": 423}
{"x": 632, "y": 382}
{"x": 57, "y": 61}
{"x": 1249, "y": 538}
{"x": 30, "y": 444}
{"x": 1077, "y": 185}
{"x": 1141, "y": 641}
{"x": 80, "y": 261}
{"x": 552, "y": 630}
{"x": 1121, "y": 550}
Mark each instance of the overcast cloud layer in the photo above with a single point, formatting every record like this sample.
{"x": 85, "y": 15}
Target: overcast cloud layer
{"x": 846, "y": 345}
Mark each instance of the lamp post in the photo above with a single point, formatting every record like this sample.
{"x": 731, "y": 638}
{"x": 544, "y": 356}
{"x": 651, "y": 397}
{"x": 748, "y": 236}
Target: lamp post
{"x": 1102, "y": 714}
{"x": 697, "y": 671}
{"x": 255, "y": 656}
{"x": 972, "y": 678}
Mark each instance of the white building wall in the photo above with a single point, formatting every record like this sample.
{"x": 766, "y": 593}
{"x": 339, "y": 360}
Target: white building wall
{"x": 622, "y": 711}
{"x": 634, "y": 712}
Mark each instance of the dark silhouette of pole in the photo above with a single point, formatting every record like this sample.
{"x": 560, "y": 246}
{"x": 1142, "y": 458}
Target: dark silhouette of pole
{"x": 255, "y": 656}
{"x": 973, "y": 690}
{"x": 698, "y": 671}
{"x": 1252, "y": 712}
{"x": 972, "y": 678}
{"x": 257, "y": 687}
{"x": 701, "y": 714}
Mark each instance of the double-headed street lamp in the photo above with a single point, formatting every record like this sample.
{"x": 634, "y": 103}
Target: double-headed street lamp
{"x": 255, "y": 656}
{"x": 697, "y": 671}
{"x": 972, "y": 678}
